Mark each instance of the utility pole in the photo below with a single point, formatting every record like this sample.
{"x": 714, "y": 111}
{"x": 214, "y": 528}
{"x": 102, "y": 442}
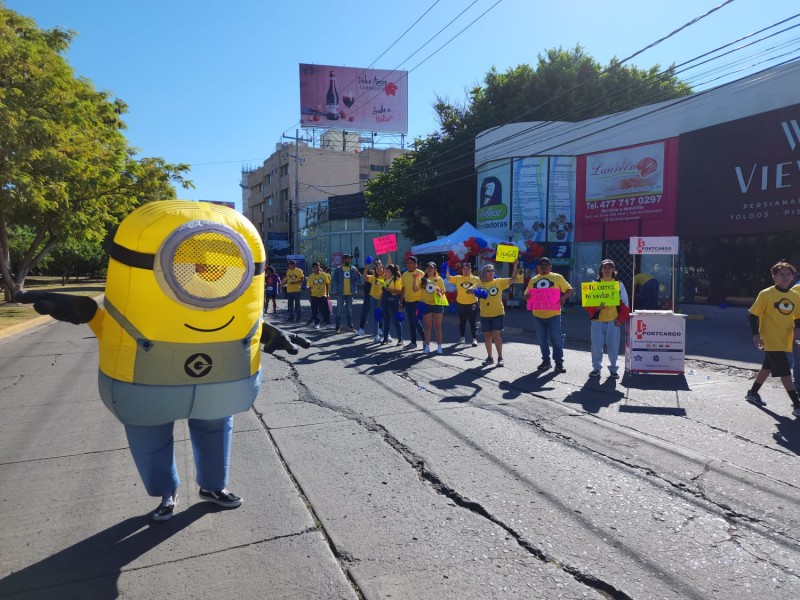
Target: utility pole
{"x": 296, "y": 199}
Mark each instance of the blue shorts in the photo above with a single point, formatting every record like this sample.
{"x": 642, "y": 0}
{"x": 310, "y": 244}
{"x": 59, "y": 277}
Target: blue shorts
{"x": 434, "y": 309}
{"x": 492, "y": 323}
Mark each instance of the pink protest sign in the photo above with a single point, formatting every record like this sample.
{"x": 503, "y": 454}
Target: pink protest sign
{"x": 385, "y": 243}
{"x": 544, "y": 299}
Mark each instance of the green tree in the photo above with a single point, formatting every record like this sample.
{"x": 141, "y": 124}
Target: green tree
{"x": 66, "y": 168}
{"x": 74, "y": 258}
{"x": 433, "y": 188}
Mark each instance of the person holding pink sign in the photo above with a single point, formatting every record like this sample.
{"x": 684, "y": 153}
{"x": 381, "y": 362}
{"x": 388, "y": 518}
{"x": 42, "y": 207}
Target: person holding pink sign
{"x": 548, "y": 320}
{"x": 606, "y": 322}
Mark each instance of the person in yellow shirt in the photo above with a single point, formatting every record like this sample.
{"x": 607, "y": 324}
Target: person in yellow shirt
{"x": 490, "y": 294}
{"x": 319, "y": 287}
{"x": 466, "y": 302}
{"x": 796, "y": 350}
{"x": 606, "y": 322}
{"x": 390, "y": 303}
{"x": 410, "y": 300}
{"x": 775, "y": 323}
{"x": 293, "y": 282}
{"x": 548, "y": 322}
{"x": 375, "y": 278}
{"x": 432, "y": 293}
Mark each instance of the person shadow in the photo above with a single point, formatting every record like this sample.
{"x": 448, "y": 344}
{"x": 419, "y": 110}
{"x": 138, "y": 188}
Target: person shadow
{"x": 91, "y": 568}
{"x": 787, "y": 432}
{"x": 530, "y": 383}
{"x": 594, "y": 396}
{"x": 462, "y": 379}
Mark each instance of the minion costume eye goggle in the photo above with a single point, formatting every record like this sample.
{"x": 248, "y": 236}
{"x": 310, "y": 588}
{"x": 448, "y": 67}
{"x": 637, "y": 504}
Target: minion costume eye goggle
{"x": 202, "y": 264}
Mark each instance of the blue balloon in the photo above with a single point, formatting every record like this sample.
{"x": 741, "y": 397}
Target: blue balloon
{"x": 482, "y": 243}
{"x": 421, "y": 310}
{"x": 401, "y": 316}
{"x": 481, "y": 293}
{"x": 378, "y": 314}
{"x": 451, "y": 270}
{"x": 368, "y": 260}
{"x": 444, "y": 268}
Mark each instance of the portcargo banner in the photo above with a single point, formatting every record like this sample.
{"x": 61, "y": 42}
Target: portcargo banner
{"x": 348, "y": 98}
{"x": 494, "y": 195}
{"x": 529, "y": 199}
{"x": 741, "y": 177}
{"x": 561, "y": 199}
{"x": 625, "y": 184}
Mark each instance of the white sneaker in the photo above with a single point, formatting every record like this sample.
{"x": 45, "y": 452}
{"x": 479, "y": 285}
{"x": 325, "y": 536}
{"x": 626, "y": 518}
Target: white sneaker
{"x": 380, "y": 331}
{"x": 389, "y": 338}
{"x": 316, "y": 326}
{"x": 426, "y": 348}
{"x": 439, "y": 350}
{"x": 474, "y": 342}
{"x": 462, "y": 341}
{"x": 360, "y": 331}
{"x": 329, "y": 326}
{"x": 378, "y": 338}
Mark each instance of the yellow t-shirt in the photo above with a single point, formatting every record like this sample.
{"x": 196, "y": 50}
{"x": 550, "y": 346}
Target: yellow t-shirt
{"x": 394, "y": 285}
{"x": 318, "y": 284}
{"x": 377, "y": 286}
{"x": 520, "y": 276}
{"x": 548, "y": 281}
{"x": 346, "y": 289}
{"x": 409, "y": 295}
{"x": 294, "y": 280}
{"x": 776, "y": 312}
{"x": 492, "y": 306}
{"x": 428, "y": 292}
{"x": 463, "y": 284}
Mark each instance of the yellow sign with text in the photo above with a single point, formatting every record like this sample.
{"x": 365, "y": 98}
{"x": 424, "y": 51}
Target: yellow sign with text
{"x": 506, "y": 253}
{"x": 595, "y": 293}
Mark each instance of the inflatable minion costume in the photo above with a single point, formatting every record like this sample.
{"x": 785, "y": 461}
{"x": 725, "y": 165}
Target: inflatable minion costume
{"x": 179, "y": 337}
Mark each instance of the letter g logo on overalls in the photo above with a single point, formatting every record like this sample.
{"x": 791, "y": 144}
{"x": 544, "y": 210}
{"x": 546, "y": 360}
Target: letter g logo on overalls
{"x": 198, "y": 365}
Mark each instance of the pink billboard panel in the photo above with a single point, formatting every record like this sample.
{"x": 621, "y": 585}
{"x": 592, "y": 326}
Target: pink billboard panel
{"x": 625, "y": 184}
{"x": 358, "y": 99}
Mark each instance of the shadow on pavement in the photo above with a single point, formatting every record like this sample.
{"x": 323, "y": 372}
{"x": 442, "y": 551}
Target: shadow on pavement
{"x": 663, "y": 383}
{"x": 593, "y": 396}
{"x": 91, "y": 568}
{"x": 460, "y": 379}
{"x": 530, "y": 383}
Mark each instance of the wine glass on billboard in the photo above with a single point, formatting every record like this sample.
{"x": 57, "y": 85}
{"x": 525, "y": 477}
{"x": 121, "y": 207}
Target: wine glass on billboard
{"x": 348, "y": 98}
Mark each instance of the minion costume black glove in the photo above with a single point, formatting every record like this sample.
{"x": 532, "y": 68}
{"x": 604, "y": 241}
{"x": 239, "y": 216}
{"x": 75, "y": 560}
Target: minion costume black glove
{"x": 62, "y": 307}
{"x": 278, "y": 339}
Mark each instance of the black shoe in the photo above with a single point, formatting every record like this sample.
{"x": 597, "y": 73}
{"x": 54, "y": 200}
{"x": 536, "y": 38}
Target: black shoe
{"x": 223, "y": 498}
{"x": 166, "y": 508}
{"x": 544, "y": 366}
{"x": 560, "y": 368}
{"x": 754, "y": 398}
{"x": 310, "y": 322}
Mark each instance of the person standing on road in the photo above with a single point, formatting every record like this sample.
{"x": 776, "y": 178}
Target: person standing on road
{"x": 272, "y": 283}
{"x": 390, "y": 303}
{"x": 431, "y": 289}
{"x": 796, "y": 350}
{"x": 343, "y": 286}
{"x": 775, "y": 323}
{"x": 318, "y": 290}
{"x": 606, "y": 323}
{"x": 548, "y": 322}
{"x": 365, "y": 301}
{"x": 466, "y": 302}
{"x": 375, "y": 281}
{"x": 492, "y": 310}
{"x": 293, "y": 282}
{"x": 410, "y": 300}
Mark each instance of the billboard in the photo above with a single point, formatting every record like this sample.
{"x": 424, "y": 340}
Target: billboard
{"x": 561, "y": 199}
{"x": 529, "y": 199}
{"x": 741, "y": 177}
{"x": 348, "y": 98}
{"x": 625, "y": 184}
{"x": 494, "y": 197}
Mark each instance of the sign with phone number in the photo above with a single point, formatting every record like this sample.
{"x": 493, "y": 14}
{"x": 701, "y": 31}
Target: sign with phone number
{"x": 635, "y": 207}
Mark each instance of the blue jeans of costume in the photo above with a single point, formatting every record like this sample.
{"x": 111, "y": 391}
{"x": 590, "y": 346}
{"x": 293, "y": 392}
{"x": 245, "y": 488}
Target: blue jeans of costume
{"x": 153, "y": 452}
{"x": 346, "y": 302}
{"x": 605, "y": 334}
{"x": 390, "y": 306}
{"x": 294, "y": 303}
{"x": 550, "y": 329}
{"x": 376, "y": 324}
{"x": 414, "y": 326}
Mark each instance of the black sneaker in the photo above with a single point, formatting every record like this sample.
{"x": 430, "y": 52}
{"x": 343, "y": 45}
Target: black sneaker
{"x": 560, "y": 368}
{"x": 488, "y": 361}
{"x": 500, "y": 362}
{"x": 754, "y": 398}
{"x": 310, "y": 321}
{"x": 544, "y": 366}
{"x": 166, "y": 508}
{"x": 223, "y": 498}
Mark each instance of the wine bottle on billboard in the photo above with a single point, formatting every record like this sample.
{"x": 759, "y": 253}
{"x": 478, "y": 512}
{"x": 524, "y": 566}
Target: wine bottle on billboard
{"x": 332, "y": 100}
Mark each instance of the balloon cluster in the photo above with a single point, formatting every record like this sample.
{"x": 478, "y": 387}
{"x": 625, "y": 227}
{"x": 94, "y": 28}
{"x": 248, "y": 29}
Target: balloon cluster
{"x": 368, "y": 260}
{"x": 474, "y": 246}
{"x": 529, "y": 253}
{"x": 378, "y": 315}
{"x": 480, "y": 293}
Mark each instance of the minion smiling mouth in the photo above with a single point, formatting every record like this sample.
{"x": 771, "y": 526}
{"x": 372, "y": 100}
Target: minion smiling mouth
{"x": 208, "y": 330}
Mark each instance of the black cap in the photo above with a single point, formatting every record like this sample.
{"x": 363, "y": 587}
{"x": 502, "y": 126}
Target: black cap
{"x": 346, "y": 256}
{"x": 544, "y": 260}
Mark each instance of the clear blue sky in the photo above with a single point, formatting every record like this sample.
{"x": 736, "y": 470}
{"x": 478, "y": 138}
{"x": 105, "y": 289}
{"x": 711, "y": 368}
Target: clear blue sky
{"x": 215, "y": 84}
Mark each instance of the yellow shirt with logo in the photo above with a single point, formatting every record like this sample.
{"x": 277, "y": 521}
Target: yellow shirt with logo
{"x": 428, "y": 292}
{"x": 776, "y": 312}
{"x": 409, "y": 295}
{"x": 464, "y": 283}
{"x": 394, "y": 286}
{"x": 294, "y": 280}
{"x": 376, "y": 290}
{"x": 492, "y": 305}
{"x": 548, "y": 281}
{"x": 346, "y": 289}
{"x": 318, "y": 284}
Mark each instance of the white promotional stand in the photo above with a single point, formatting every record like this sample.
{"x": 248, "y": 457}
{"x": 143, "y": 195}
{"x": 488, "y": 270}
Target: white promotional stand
{"x": 656, "y": 339}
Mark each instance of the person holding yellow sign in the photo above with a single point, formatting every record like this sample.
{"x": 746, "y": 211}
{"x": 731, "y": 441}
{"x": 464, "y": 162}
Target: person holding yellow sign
{"x": 431, "y": 288}
{"x": 607, "y": 314}
{"x": 467, "y": 302}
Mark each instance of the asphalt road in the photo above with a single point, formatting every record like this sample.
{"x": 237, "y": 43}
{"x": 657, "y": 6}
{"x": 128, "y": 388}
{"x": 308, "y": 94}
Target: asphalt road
{"x": 370, "y": 472}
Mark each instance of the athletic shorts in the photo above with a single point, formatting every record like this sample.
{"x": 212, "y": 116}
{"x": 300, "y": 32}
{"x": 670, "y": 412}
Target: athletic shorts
{"x": 492, "y": 323}
{"x": 778, "y": 363}
{"x": 434, "y": 309}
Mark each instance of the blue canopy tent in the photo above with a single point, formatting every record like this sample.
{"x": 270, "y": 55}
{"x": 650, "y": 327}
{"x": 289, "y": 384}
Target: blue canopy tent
{"x": 459, "y": 236}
